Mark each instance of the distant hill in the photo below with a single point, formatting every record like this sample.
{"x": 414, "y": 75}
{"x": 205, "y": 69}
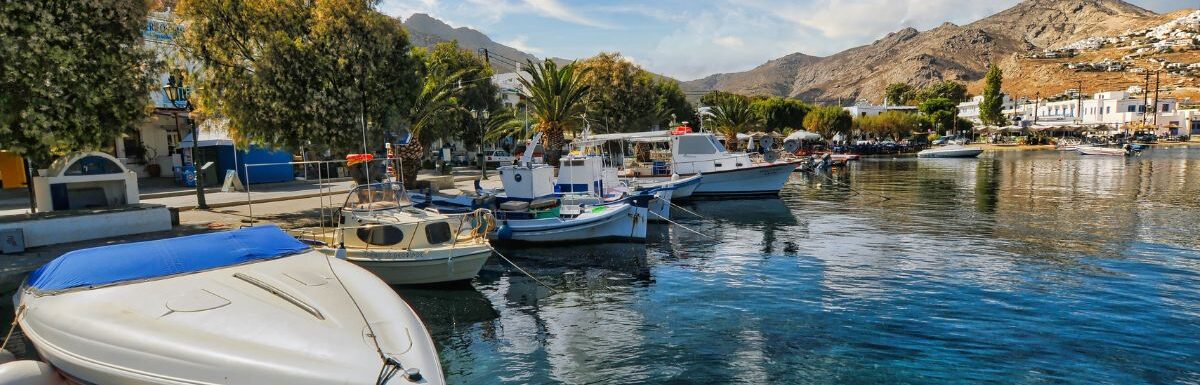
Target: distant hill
{"x": 426, "y": 31}
{"x": 950, "y": 52}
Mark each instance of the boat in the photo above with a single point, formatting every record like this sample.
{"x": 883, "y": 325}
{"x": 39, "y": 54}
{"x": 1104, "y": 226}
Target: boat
{"x": 1107, "y": 151}
{"x": 380, "y": 230}
{"x": 951, "y": 151}
{"x": 681, "y": 187}
{"x": 243, "y": 307}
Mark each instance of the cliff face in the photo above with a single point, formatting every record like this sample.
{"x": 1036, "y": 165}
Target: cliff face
{"x": 948, "y": 52}
{"x": 425, "y": 31}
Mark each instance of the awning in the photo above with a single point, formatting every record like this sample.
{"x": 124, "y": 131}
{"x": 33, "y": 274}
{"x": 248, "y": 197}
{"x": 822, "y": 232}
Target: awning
{"x": 631, "y": 135}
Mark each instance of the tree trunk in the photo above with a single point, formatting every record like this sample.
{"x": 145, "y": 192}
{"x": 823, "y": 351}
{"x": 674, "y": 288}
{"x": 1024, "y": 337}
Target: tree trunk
{"x": 553, "y": 142}
{"x": 731, "y": 141}
{"x": 410, "y": 158}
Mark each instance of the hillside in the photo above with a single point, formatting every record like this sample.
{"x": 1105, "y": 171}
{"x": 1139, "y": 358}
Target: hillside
{"x": 426, "y": 31}
{"x": 949, "y": 52}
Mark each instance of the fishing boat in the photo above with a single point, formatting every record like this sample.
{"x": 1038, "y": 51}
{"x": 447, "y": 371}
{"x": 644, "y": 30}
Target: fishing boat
{"x": 380, "y": 230}
{"x": 724, "y": 173}
{"x": 951, "y": 151}
{"x": 250, "y": 306}
{"x": 1106, "y": 151}
{"x": 681, "y": 187}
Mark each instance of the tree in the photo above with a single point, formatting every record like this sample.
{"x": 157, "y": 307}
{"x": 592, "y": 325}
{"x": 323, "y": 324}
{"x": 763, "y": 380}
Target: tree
{"x": 828, "y": 121}
{"x": 73, "y": 75}
{"x": 992, "y": 107}
{"x": 473, "y": 91}
{"x": 890, "y": 124}
{"x": 292, "y": 74}
{"x": 779, "y": 113}
{"x": 898, "y": 94}
{"x": 556, "y": 99}
{"x": 940, "y": 112}
{"x": 621, "y": 95}
{"x": 672, "y": 100}
{"x": 951, "y": 90}
{"x": 435, "y": 99}
{"x": 732, "y": 115}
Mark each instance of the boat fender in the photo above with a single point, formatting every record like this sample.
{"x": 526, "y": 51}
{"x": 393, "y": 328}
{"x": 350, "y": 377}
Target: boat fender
{"x": 28, "y": 372}
{"x": 504, "y": 232}
{"x": 340, "y": 253}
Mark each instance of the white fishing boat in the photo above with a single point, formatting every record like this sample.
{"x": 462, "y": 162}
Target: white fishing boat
{"x": 681, "y": 187}
{"x": 724, "y": 173}
{"x": 380, "y": 230}
{"x": 1106, "y": 151}
{"x": 951, "y": 151}
{"x": 251, "y": 306}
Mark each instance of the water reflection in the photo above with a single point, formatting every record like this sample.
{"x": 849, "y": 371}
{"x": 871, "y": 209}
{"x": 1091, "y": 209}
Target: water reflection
{"x": 1017, "y": 266}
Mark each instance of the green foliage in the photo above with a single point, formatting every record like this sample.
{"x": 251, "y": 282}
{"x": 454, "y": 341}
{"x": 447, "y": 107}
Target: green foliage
{"x": 992, "y": 107}
{"x": 292, "y": 74}
{"x": 471, "y": 89}
{"x": 73, "y": 75}
{"x": 940, "y": 112}
{"x": 733, "y": 115}
{"x": 898, "y": 94}
{"x": 503, "y": 122}
{"x": 621, "y": 95}
{"x": 950, "y": 90}
{"x": 828, "y": 121}
{"x": 890, "y": 124}
{"x": 781, "y": 114}
{"x": 555, "y": 101}
{"x": 672, "y": 100}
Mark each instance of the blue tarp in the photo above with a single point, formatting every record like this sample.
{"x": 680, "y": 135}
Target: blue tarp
{"x": 146, "y": 260}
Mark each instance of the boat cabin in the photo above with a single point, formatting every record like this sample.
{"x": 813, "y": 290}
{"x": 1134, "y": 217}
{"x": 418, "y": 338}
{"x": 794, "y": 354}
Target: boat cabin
{"x": 380, "y": 215}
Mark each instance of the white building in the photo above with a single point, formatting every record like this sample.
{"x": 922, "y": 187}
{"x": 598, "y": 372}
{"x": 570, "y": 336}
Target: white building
{"x": 970, "y": 109}
{"x": 862, "y": 109}
{"x": 1115, "y": 109}
{"x": 510, "y": 87}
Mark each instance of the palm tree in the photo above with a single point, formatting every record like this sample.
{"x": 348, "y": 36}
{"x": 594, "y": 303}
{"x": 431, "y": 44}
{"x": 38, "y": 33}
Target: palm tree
{"x": 555, "y": 96}
{"x": 732, "y": 115}
{"x": 501, "y": 123}
{"x": 437, "y": 98}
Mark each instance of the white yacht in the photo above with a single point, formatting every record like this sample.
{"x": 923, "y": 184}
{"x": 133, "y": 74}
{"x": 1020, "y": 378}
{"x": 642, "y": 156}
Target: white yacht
{"x": 244, "y": 307}
{"x": 951, "y": 151}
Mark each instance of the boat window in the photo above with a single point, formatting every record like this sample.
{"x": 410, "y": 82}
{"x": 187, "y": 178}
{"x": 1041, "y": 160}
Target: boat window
{"x": 93, "y": 165}
{"x": 716, "y": 144}
{"x": 377, "y": 196}
{"x": 380, "y": 235}
{"x": 437, "y": 232}
{"x": 695, "y": 145}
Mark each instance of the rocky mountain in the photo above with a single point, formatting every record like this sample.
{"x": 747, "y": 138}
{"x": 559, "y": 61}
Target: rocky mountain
{"x": 425, "y": 31}
{"x": 950, "y": 52}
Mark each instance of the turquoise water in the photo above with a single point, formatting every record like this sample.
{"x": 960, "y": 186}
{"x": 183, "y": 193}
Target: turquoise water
{"x": 1018, "y": 267}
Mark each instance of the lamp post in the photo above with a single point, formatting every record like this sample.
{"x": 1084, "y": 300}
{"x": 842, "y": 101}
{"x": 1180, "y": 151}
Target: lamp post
{"x": 481, "y": 116}
{"x": 175, "y": 93}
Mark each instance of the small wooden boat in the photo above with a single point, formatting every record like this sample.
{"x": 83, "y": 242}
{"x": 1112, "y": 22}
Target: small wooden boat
{"x": 251, "y": 306}
{"x": 1106, "y": 151}
{"x": 951, "y": 151}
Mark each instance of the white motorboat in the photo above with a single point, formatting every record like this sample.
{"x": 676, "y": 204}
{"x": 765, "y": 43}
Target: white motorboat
{"x": 726, "y": 173}
{"x": 681, "y": 187}
{"x": 1106, "y": 151}
{"x": 251, "y": 306}
{"x": 380, "y": 230}
{"x": 951, "y": 151}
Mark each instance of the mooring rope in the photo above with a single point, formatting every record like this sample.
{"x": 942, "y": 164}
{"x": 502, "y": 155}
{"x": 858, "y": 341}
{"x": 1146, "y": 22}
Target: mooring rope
{"x": 682, "y": 226}
{"x": 525, "y": 272}
{"x": 11, "y": 329}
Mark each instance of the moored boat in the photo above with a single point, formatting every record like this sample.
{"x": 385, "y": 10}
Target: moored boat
{"x": 681, "y": 187}
{"x": 951, "y": 151}
{"x": 1106, "y": 151}
{"x": 250, "y": 306}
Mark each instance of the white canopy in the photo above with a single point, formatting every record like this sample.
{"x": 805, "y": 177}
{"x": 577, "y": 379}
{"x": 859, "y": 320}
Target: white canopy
{"x": 803, "y": 135}
{"x": 631, "y": 135}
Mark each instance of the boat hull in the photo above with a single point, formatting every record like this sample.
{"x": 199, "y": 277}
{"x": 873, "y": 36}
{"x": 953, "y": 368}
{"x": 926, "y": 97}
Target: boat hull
{"x": 750, "y": 181}
{"x": 966, "y": 152}
{"x": 296, "y": 320}
{"x": 681, "y": 188}
{"x": 620, "y": 222}
{"x": 1104, "y": 151}
{"x": 398, "y": 267}
{"x": 660, "y": 206}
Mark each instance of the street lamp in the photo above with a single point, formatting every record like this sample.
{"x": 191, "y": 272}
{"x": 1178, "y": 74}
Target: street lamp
{"x": 176, "y": 93}
{"x": 481, "y": 116}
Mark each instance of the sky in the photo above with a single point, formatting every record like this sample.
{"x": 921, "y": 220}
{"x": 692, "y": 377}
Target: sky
{"x": 692, "y": 39}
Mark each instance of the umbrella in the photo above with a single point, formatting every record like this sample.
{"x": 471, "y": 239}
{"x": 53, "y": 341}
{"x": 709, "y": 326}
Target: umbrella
{"x": 803, "y": 136}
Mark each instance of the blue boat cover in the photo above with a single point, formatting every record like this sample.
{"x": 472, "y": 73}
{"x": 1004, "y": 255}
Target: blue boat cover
{"x": 108, "y": 265}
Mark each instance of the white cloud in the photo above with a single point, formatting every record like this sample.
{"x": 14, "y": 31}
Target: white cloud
{"x": 728, "y": 41}
{"x": 521, "y": 43}
{"x": 554, "y": 9}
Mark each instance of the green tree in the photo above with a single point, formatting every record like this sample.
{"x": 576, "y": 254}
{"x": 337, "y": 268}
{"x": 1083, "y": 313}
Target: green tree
{"x": 302, "y": 73}
{"x": 733, "y": 115}
{"x": 435, "y": 99}
{"x": 950, "y": 90}
{"x": 672, "y": 100}
{"x": 73, "y": 75}
{"x": 991, "y": 109}
{"x": 898, "y": 94}
{"x": 555, "y": 100}
{"x": 473, "y": 91}
{"x": 780, "y": 114}
{"x": 891, "y": 124}
{"x": 828, "y": 121}
{"x": 940, "y": 112}
{"x": 622, "y": 96}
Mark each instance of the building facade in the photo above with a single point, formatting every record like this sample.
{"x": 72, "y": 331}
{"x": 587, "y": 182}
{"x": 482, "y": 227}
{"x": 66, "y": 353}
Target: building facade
{"x": 1114, "y": 109}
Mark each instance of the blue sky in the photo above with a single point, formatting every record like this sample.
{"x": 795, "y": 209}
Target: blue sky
{"x": 691, "y": 39}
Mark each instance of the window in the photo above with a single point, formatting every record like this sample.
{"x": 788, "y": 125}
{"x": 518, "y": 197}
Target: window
{"x": 1108, "y": 110}
{"x": 1131, "y": 108}
{"x": 93, "y": 165}
{"x": 438, "y": 232}
{"x": 381, "y": 235}
{"x": 1166, "y": 108}
{"x": 695, "y": 145}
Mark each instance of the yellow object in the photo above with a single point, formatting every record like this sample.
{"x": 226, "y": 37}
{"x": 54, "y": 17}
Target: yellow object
{"x": 12, "y": 171}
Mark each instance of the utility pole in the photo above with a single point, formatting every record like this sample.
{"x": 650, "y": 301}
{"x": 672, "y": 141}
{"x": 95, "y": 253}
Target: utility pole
{"x": 1037, "y": 104}
{"x": 1145, "y": 98}
{"x": 1157, "y": 77}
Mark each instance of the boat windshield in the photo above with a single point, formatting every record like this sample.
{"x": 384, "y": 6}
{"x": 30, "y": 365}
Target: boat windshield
{"x": 377, "y": 196}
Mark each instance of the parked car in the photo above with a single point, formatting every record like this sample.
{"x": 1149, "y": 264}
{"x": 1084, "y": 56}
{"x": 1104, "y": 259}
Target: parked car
{"x": 940, "y": 141}
{"x": 500, "y": 157}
